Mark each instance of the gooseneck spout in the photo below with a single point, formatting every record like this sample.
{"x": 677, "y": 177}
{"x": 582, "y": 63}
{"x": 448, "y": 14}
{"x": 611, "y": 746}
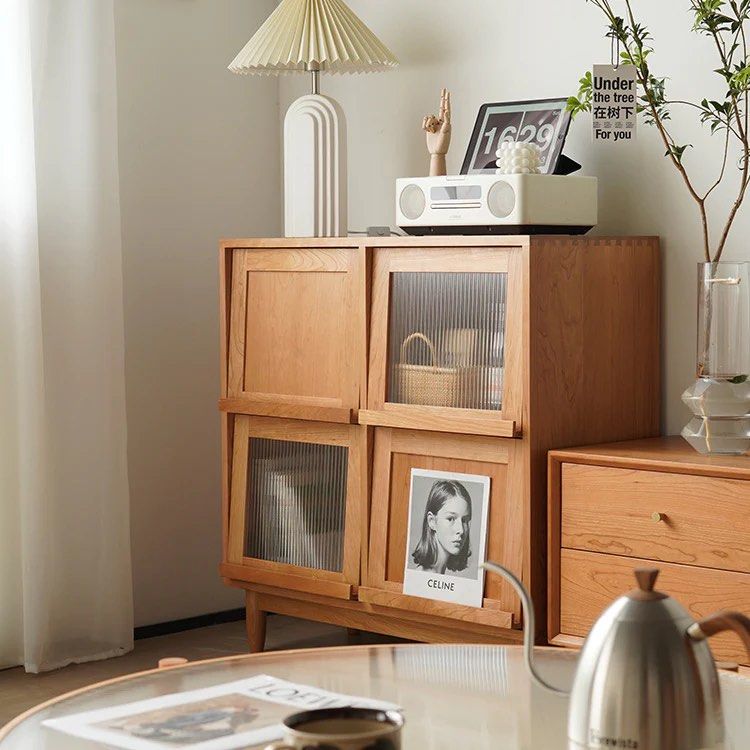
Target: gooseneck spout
{"x": 528, "y": 623}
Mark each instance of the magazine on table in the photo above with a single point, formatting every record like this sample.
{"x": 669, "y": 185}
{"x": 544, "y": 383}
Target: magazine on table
{"x": 232, "y": 715}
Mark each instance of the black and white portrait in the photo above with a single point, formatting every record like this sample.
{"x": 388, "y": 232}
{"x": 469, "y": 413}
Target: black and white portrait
{"x": 447, "y": 536}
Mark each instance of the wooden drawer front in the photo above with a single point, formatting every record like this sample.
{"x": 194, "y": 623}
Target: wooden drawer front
{"x": 590, "y": 582}
{"x": 445, "y": 340}
{"x": 297, "y": 331}
{"x": 296, "y": 504}
{"x": 396, "y": 453}
{"x": 706, "y": 520}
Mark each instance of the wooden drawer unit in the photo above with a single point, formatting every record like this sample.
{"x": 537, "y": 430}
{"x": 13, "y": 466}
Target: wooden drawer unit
{"x": 679, "y": 518}
{"x": 590, "y": 582}
{"x": 654, "y": 503}
{"x": 348, "y": 362}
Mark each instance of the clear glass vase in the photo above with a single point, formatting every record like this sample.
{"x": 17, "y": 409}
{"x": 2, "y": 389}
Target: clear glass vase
{"x": 720, "y": 397}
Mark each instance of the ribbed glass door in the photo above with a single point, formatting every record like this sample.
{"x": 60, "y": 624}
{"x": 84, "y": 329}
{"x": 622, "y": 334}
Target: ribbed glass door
{"x": 296, "y": 503}
{"x": 445, "y": 339}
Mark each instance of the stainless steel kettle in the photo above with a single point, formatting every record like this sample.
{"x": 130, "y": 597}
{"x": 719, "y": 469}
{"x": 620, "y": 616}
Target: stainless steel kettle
{"x": 645, "y": 678}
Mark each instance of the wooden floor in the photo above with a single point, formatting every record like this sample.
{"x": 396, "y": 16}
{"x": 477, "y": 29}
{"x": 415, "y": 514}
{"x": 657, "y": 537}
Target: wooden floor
{"x": 20, "y": 691}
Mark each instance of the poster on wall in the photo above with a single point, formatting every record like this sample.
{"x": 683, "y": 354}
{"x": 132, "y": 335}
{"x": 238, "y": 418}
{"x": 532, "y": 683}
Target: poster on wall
{"x": 448, "y": 514}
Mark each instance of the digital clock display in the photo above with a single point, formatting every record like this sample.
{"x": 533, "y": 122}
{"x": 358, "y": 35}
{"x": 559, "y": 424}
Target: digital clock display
{"x": 543, "y": 122}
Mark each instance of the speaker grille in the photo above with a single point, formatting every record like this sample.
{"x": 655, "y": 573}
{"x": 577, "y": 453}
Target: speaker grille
{"x": 501, "y": 199}
{"x": 412, "y": 202}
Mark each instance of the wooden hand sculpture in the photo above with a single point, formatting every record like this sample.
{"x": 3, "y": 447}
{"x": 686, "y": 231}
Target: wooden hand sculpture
{"x": 438, "y": 130}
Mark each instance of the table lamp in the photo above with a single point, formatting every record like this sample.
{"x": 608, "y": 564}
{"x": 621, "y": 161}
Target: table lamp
{"x": 314, "y": 36}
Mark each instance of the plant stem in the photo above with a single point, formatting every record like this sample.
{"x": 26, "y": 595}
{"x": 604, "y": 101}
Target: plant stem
{"x": 742, "y": 128}
{"x": 723, "y": 168}
{"x": 666, "y": 138}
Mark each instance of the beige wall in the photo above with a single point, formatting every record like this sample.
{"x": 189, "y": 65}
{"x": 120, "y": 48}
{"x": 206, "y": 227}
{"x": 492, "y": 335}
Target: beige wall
{"x": 198, "y": 161}
{"x": 499, "y": 50}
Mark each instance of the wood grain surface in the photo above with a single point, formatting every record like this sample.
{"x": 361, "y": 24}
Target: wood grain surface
{"x": 677, "y": 518}
{"x": 590, "y": 582}
{"x": 297, "y": 332}
{"x": 441, "y": 419}
{"x": 493, "y": 617}
{"x": 668, "y": 453}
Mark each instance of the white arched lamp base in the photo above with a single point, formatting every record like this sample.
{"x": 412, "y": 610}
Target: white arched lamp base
{"x": 315, "y": 168}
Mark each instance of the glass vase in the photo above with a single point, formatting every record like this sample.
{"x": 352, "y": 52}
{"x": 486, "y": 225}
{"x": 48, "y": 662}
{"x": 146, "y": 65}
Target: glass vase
{"x": 720, "y": 397}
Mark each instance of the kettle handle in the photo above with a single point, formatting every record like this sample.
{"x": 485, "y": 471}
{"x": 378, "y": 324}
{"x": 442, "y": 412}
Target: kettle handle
{"x": 719, "y": 623}
{"x": 528, "y": 621}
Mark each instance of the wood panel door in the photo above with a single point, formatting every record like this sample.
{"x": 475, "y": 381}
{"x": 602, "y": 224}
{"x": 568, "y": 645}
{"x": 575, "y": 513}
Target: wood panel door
{"x": 446, "y": 339}
{"x": 298, "y": 501}
{"x": 297, "y": 333}
{"x": 396, "y": 453}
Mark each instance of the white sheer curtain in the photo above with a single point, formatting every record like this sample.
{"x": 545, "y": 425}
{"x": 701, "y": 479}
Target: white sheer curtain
{"x": 65, "y": 582}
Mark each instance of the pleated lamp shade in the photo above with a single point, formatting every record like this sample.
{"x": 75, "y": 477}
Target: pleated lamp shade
{"x": 301, "y": 35}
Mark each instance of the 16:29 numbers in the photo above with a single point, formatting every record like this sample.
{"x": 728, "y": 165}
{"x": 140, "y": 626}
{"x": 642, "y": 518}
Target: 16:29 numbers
{"x": 529, "y": 133}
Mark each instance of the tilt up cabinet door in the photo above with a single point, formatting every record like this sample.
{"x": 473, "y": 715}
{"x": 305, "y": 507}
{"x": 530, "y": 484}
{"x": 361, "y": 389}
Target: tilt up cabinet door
{"x": 298, "y": 495}
{"x": 297, "y": 337}
{"x": 399, "y": 521}
{"x": 446, "y": 332}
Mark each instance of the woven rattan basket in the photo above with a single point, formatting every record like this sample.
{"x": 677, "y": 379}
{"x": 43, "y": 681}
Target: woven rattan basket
{"x": 432, "y": 385}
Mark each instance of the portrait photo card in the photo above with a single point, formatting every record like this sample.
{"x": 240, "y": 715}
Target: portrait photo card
{"x": 447, "y": 536}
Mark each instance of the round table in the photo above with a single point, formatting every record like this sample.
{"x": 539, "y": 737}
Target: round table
{"x": 453, "y": 697}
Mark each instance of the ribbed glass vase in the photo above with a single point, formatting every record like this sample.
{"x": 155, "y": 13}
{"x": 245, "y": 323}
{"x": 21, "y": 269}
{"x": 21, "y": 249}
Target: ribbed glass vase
{"x": 720, "y": 397}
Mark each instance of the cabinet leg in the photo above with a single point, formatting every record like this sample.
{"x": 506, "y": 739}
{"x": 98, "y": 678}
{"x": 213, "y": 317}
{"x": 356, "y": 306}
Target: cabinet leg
{"x": 255, "y": 621}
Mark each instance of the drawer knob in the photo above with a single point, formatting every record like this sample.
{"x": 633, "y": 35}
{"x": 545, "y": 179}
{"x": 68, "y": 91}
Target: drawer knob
{"x": 656, "y": 517}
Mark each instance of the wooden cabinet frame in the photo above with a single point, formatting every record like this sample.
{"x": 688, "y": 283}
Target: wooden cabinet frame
{"x": 273, "y": 279}
{"x": 507, "y": 422}
{"x": 581, "y": 365}
{"x": 312, "y": 580}
{"x": 506, "y": 512}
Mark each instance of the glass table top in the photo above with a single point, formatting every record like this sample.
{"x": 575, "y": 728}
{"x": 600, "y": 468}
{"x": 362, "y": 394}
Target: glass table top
{"x": 454, "y": 697}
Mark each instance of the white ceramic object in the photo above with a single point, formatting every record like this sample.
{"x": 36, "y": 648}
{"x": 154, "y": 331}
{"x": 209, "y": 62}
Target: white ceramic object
{"x": 514, "y": 157}
{"x": 315, "y": 168}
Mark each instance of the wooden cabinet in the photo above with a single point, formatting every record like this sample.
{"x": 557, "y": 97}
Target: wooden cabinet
{"x": 346, "y": 363}
{"x": 653, "y": 503}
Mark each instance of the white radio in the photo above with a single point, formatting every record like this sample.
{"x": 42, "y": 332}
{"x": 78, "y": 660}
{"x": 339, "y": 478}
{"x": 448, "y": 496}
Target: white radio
{"x": 496, "y": 204}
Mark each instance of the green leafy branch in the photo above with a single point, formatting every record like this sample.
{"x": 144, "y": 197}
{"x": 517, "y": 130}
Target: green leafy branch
{"x": 724, "y": 22}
